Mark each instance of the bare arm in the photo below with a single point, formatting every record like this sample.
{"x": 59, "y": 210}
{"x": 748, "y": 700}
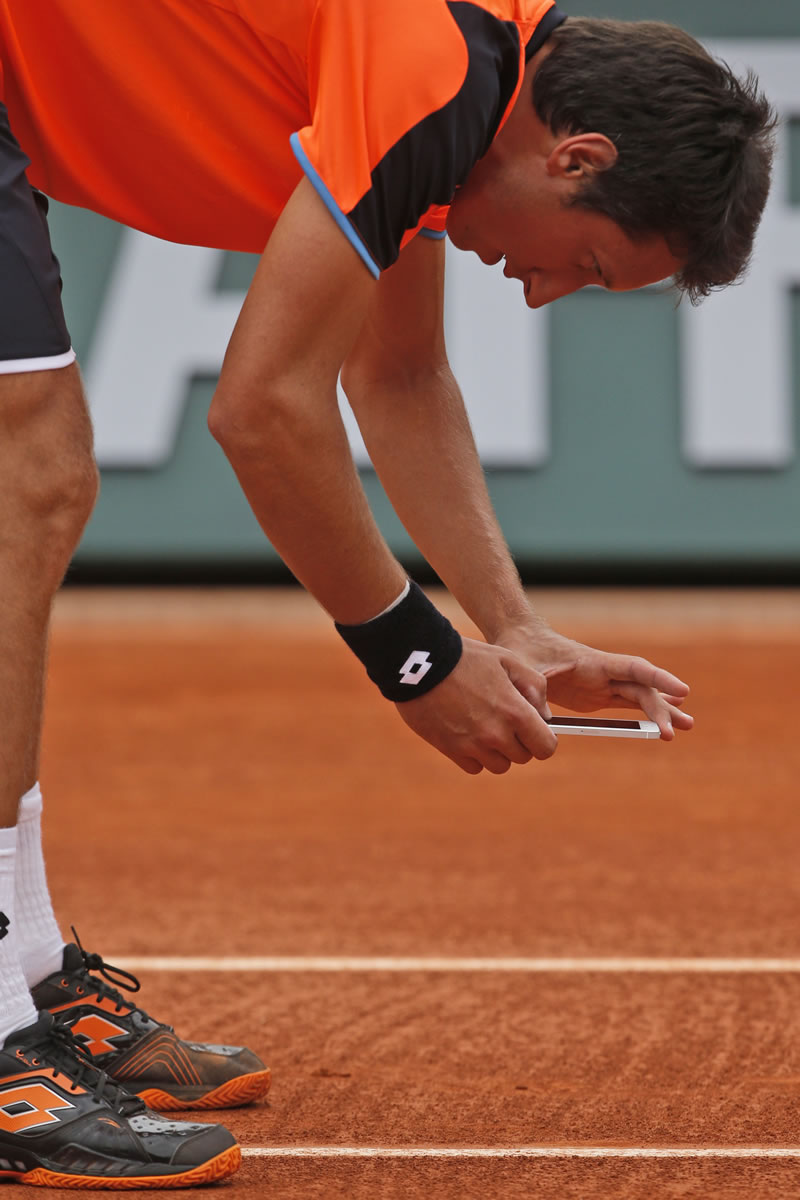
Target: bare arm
{"x": 412, "y": 417}
{"x": 276, "y": 415}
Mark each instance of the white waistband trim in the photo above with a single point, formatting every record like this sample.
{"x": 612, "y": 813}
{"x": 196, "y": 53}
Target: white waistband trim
{"x": 15, "y": 366}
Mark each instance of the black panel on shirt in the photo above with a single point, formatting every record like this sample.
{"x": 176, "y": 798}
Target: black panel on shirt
{"x": 550, "y": 21}
{"x": 433, "y": 158}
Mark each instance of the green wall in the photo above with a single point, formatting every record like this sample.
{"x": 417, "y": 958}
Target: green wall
{"x": 616, "y": 489}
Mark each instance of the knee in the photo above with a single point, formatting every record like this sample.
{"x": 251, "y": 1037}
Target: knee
{"x": 49, "y": 477}
{"x": 60, "y": 497}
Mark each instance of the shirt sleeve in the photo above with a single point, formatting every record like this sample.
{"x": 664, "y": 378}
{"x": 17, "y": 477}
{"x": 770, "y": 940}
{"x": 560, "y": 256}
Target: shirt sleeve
{"x": 405, "y": 97}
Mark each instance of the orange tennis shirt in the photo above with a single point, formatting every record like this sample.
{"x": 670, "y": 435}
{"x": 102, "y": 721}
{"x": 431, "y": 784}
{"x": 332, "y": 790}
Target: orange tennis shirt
{"x": 194, "y": 120}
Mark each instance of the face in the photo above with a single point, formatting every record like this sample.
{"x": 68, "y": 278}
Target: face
{"x": 515, "y": 205}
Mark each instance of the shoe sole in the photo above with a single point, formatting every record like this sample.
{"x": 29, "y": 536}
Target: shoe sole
{"x": 220, "y": 1167}
{"x": 233, "y": 1094}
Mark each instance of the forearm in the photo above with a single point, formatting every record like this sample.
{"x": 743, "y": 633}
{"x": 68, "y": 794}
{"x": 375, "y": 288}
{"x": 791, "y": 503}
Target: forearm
{"x": 295, "y": 467}
{"x": 420, "y": 442}
{"x": 275, "y": 412}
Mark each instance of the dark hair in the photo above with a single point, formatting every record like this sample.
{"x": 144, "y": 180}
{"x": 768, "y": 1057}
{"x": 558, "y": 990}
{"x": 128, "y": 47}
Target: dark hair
{"x": 694, "y": 142}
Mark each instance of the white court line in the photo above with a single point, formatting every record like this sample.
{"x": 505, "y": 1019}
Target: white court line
{"x": 702, "y": 966}
{"x": 524, "y": 1152}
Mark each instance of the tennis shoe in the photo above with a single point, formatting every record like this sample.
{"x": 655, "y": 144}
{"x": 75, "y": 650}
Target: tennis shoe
{"x": 144, "y": 1055}
{"x": 65, "y": 1124}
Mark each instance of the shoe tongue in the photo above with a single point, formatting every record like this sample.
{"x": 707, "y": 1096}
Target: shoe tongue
{"x": 73, "y": 958}
{"x": 21, "y": 1037}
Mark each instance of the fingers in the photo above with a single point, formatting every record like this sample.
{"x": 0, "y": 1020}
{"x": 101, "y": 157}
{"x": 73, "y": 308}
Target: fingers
{"x": 650, "y": 703}
{"x": 531, "y": 738}
{"x": 525, "y": 754}
{"x": 561, "y": 669}
{"x": 535, "y": 739}
{"x": 486, "y": 714}
{"x": 498, "y": 762}
{"x": 497, "y": 753}
{"x": 493, "y": 760}
{"x": 639, "y": 670}
{"x": 680, "y": 720}
{"x": 470, "y": 765}
{"x": 498, "y": 756}
{"x": 529, "y": 683}
{"x": 655, "y": 705}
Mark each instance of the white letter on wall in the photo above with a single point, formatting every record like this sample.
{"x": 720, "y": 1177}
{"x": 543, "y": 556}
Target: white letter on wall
{"x": 498, "y": 349}
{"x": 736, "y": 347}
{"x": 163, "y": 322}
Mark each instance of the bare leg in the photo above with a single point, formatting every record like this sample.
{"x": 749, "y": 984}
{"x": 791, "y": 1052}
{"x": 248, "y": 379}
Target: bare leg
{"x": 48, "y": 485}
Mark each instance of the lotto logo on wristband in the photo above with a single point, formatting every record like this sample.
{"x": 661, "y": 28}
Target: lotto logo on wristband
{"x": 411, "y": 620}
{"x": 4, "y": 924}
{"x": 415, "y": 667}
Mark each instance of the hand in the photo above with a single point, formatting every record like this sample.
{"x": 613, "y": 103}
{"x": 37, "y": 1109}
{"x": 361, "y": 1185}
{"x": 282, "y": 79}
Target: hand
{"x": 487, "y": 712}
{"x": 584, "y": 680}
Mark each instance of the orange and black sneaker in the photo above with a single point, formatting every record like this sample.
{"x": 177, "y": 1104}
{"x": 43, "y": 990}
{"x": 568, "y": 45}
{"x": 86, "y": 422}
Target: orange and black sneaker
{"x": 64, "y": 1123}
{"x": 145, "y": 1056}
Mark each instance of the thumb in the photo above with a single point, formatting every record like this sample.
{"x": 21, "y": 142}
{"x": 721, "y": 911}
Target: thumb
{"x": 529, "y": 683}
{"x": 563, "y": 668}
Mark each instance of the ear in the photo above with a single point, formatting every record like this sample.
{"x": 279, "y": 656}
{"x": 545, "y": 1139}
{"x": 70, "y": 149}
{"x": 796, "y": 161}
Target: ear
{"x": 582, "y": 155}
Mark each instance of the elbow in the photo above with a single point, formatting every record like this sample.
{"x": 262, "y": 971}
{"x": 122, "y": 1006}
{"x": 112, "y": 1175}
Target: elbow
{"x": 270, "y": 422}
{"x": 233, "y": 414}
{"x": 240, "y": 419}
{"x": 221, "y": 421}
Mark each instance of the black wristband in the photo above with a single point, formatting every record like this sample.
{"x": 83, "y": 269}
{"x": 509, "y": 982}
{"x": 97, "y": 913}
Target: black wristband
{"x": 407, "y": 650}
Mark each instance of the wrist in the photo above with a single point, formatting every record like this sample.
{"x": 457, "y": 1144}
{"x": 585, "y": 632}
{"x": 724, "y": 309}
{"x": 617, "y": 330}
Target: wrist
{"x": 389, "y": 607}
{"x": 408, "y": 648}
{"x": 515, "y": 625}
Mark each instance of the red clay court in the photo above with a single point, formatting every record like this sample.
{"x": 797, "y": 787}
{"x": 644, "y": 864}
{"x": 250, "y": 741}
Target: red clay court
{"x": 223, "y": 785}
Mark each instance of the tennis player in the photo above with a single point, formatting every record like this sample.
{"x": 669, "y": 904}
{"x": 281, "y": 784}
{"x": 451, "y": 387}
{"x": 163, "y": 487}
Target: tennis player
{"x": 346, "y": 137}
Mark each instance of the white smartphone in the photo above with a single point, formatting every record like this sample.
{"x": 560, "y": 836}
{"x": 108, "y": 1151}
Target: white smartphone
{"x": 602, "y": 727}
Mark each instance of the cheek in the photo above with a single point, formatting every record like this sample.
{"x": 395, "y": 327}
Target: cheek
{"x": 532, "y": 234}
{"x": 524, "y": 245}
{"x": 458, "y": 226}
{"x": 487, "y": 201}
{"x": 462, "y": 207}
{"x": 471, "y": 222}
{"x": 553, "y": 245}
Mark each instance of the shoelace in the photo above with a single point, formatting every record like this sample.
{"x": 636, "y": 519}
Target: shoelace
{"x": 58, "y": 1048}
{"x": 110, "y": 975}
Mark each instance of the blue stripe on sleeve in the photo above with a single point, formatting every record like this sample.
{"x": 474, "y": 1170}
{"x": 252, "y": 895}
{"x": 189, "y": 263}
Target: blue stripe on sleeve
{"x": 332, "y": 207}
{"x": 436, "y": 234}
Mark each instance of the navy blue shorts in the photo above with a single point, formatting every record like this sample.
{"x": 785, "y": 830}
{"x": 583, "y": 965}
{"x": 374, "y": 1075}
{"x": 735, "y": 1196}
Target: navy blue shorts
{"x": 33, "y": 332}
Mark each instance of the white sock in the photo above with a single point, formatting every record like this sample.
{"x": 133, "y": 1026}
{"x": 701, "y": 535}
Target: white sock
{"x": 41, "y": 943}
{"x": 16, "y": 1006}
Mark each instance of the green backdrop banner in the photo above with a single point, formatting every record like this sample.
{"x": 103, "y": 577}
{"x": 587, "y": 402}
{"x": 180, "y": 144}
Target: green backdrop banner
{"x": 616, "y": 429}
